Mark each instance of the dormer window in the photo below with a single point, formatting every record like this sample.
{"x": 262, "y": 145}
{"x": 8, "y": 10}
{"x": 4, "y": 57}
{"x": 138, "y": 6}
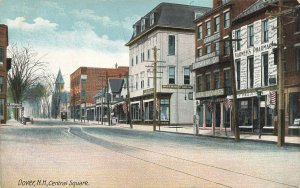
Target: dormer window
{"x": 134, "y": 31}
{"x": 152, "y": 19}
{"x": 143, "y": 24}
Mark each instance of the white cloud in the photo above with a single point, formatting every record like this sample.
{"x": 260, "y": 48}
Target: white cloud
{"x": 87, "y": 14}
{"x": 70, "y": 49}
{"x": 38, "y": 24}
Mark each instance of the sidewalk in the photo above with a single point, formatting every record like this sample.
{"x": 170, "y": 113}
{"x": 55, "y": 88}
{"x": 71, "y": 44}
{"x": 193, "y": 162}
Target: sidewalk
{"x": 289, "y": 140}
{"x": 189, "y": 130}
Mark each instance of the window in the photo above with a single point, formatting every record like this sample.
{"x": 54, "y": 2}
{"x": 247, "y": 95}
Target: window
{"x": 171, "y": 75}
{"x": 227, "y": 81}
{"x": 152, "y": 19}
{"x": 142, "y": 57}
{"x": 251, "y": 71}
{"x": 200, "y": 32}
{"x": 134, "y": 31}
{"x": 132, "y": 62}
{"x": 199, "y": 52}
{"x": 208, "y": 29}
{"x": 148, "y": 82}
{"x": 265, "y": 70}
{"x": 226, "y": 47}
{"x": 207, "y": 81}
{"x": 136, "y": 81}
{"x": 132, "y": 83}
{"x": 225, "y": 1}
{"x": 143, "y": 24}
{"x": 208, "y": 116}
{"x": 298, "y": 23}
{"x": 226, "y": 19}
{"x": 208, "y": 49}
{"x": 250, "y": 35}
{"x": 199, "y": 83}
{"x": 217, "y": 48}
{"x": 238, "y": 73}
{"x": 136, "y": 60}
{"x": 217, "y": 24}
{"x": 238, "y": 42}
{"x": 135, "y": 111}
{"x": 171, "y": 45}
{"x": 142, "y": 79}
{"x": 164, "y": 109}
{"x": 265, "y": 33}
{"x": 148, "y": 54}
{"x": 2, "y": 109}
{"x": 298, "y": 59}
{"x": 1, "y": 56}
{"x": 186, "y": 75}
{"x": 217, "y": 80}
{"x": 1, "y": 84}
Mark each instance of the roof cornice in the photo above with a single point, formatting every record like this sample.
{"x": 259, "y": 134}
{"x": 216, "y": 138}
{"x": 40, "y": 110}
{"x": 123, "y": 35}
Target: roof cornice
{"x": 157, "y": 27}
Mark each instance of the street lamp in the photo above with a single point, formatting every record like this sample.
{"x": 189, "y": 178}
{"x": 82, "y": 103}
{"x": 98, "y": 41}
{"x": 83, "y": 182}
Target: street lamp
{"x": 258, "y": 112}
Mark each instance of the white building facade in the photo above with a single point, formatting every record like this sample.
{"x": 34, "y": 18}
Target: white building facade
{"x": 175, "y": 53}
{"x": 256, "y": 73}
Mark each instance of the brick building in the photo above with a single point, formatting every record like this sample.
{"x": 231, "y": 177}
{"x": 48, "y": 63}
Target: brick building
{"x": 212, "y": 63}
{"x": 4, "y": 67}
{"x": 86, "y": 82}
{"x": 292, "y": 70}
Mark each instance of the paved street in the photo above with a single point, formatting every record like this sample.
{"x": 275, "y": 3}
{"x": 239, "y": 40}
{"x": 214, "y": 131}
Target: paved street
{"x": 66, "y": 155}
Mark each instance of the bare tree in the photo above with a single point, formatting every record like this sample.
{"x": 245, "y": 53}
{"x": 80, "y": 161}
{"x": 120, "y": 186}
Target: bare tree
{"x": 26, "y": 71}
{"x": 48, "y": 82}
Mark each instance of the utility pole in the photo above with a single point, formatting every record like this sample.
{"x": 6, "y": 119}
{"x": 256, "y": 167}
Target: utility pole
{"x": 234, "y": 93}
{"x": 107, "y": 99}
{"x": 154, "y": 88}
{"x": 281, "y": 119}
{"x": 128, "y": 102}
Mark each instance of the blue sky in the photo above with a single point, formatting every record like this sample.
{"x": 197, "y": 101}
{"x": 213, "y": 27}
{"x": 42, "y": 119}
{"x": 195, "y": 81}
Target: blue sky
{"x": 73, "y": 33}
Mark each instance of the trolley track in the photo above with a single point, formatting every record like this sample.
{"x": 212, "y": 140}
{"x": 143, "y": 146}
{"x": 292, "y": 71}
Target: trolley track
{"x": 131, "y": 151}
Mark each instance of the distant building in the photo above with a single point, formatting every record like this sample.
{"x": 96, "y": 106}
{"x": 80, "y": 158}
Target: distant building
{"x": 60, "y": 97}
{"x": 212, "y": 63}
{"x": 114, "y": 97}
{"x": 169, "y": 28}
{"x": 85, "y": 83}
{"x": 5, "y": 64}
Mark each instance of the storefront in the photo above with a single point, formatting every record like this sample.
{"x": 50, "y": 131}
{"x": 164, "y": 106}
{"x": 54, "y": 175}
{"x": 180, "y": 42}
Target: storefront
{"x": 257, "y": 112}
{"x": 214, "y": 113}
{"x": 294, "y": 113}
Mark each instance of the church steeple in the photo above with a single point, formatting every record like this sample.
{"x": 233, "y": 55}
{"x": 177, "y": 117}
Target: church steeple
{"x": 59, "y": 82}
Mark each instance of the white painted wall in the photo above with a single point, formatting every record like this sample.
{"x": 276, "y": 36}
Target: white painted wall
{"x": 256, "y": 51}
{"x": 181, "y": 110}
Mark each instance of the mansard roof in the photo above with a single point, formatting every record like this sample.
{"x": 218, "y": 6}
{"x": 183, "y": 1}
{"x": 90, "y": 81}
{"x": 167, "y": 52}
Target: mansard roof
{"x": 168, "y": 15}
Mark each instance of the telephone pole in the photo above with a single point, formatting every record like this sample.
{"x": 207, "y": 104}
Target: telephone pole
{"x": 281, "y": 119}
{"x": 234, "y": 119}
{"x": 128, "y": 102}
{"x": 154, "y": 88}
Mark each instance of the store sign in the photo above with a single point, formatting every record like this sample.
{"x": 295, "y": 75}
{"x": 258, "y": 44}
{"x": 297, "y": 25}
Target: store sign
{"x": 212, "y": 38}
{"x": 14, "y": 105}
{"x": 206, "y": 60}
{"x": 210, "y": 93}
{"x": 148, "y": 91}
{"x": 177, "y": 87}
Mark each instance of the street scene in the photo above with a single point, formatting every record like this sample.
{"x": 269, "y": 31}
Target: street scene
{"x": 134, "y": 93}
{"x": 117, "y": 156}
